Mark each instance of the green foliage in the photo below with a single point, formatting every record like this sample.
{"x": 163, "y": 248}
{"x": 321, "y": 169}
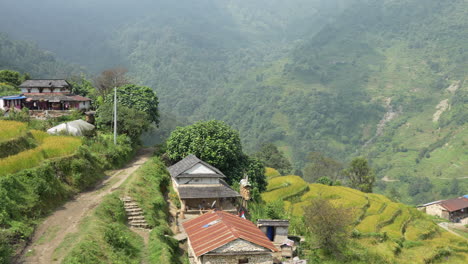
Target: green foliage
{"x": 360, "y": 175}
{"x": 329, "y": 225}
{"x": 23, "y": 56}
{"x": 211, "y": 141}
{"x": 140, "y": 98}
{"x": 273, "y": 158}
{"x": 321, "y": 166}
{"x": 11, "y": 77}
{"x": 325, "y": 181}
{"x": 130, "y": 122}
{"x": 148, "y": 188}
{"x": 105, "y": 238}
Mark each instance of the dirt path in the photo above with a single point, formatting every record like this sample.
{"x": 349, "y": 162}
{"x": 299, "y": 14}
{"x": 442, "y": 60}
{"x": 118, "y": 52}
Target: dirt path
{"x": 446, "y": 226}
{"x": 50, "y": 233}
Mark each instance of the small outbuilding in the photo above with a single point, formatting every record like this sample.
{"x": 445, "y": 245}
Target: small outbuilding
{"x": 75, "y": 128}
{"x": 276, "y": 230}
{"x": 220, "y": 237}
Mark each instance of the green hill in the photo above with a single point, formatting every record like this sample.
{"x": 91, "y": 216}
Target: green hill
{"x": 382, "y": 79}
{"x": 394, "y": 232}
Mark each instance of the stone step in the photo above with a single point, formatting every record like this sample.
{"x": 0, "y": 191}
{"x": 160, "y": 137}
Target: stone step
{"x": 131, "y": 207}
{"x": 146, "y": 226}
{"x": 133, "y": 210}
{"x": 137, "y": 222}
{"x": 136, "y": 217}
{"x": 134, "y": 214}
{"x": 130, "y": 204}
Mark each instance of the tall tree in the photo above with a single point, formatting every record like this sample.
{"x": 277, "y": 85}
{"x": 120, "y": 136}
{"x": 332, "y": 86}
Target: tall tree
{"x": 111, "y": 78}
{"x": 218, "y": 144}
{"x": 329, "y": 225}
{"x": 131, "y": 122}
{"x": 360, "y": 175}
{"x": 141, "y": 98}
{"x": 320, "y": 165}
{"x": 273, "y": 158}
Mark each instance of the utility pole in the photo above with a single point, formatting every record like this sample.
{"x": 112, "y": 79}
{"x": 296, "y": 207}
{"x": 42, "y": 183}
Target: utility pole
{"x": 115, "y": 115}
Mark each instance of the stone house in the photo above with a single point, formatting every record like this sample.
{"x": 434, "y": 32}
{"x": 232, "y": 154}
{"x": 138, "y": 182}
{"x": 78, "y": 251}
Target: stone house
{"x": 219, "y": 237}
{"x": 52, "y": 95}
{"x": 452, "y": 209}
{"x": 201, "y": 187}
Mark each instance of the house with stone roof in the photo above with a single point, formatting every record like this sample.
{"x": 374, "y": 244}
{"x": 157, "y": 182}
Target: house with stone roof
{"x": 51, "y": 94}
{"x": 220, "y": 237}
{"x": 202, "y": 187}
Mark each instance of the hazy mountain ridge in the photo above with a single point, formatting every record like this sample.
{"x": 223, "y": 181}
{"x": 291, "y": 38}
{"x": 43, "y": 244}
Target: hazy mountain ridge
{"x": 307, "y": 75}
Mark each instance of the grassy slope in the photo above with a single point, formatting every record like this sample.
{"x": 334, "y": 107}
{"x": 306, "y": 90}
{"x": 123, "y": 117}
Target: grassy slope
{"x": 412, "y": 236}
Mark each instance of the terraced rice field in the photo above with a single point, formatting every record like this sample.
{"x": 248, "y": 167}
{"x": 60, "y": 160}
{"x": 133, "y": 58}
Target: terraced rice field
{"x": 48, "y": 147}
{"x": 394, "y": 231}
{"x": 284, "y": 188}
{"x": 11, "y": 129}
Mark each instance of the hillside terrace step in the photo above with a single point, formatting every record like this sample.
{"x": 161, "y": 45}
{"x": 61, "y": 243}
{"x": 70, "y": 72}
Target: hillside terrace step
{"x": 131, "y": 205}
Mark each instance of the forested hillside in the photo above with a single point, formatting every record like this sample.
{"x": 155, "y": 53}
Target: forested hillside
{"x": 382, "y": 79}
{"x": 26, "y": 57}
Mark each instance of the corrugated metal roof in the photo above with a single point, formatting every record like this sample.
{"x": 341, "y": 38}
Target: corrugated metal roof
{"x": 455, "y": 204}
{"x": 217, "y": 228}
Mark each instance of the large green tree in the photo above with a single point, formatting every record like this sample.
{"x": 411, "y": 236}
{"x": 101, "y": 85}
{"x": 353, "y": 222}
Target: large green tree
{"x": 218, "y": 144}
{"x": 360, "y": 175}
{"x": 328, "y": 225}
{"x": 141, "y": 98}
{"x": 274, "y": 158}
{"x": 131, "y": 122}
{"x": 320, "y": 165}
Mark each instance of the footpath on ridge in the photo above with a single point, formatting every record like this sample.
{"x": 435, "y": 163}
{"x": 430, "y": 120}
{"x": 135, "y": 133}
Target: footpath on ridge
{"x": 65, "y": 220}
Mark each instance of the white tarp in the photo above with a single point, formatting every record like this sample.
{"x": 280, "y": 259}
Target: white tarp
{"x": 75, "y": 128}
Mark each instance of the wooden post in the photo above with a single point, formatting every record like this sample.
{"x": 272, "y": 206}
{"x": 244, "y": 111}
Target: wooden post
{"x": 182, "y": 209}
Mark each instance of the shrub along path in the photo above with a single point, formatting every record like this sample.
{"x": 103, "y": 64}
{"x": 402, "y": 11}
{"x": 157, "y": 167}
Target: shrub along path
{"x": 50, "y": 233}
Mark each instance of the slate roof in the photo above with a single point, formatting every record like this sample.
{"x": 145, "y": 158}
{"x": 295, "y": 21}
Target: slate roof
{"x": 455, "y": 204}
{"x": 188, "y": 162}
{"x": 55, "y": 97}
{"x": 199, "y": 191}
{"x": 217, "y": 228}
{"x": 44, "y": 83}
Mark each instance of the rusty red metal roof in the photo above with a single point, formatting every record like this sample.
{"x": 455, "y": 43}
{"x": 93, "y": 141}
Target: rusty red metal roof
{"x": 455, "y": 204}
{"x": 217, "y": 228}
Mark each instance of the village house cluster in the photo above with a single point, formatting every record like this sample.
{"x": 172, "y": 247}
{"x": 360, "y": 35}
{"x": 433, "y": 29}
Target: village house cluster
{"x": 213, "y": 221}
{"x": 44, "y": 95}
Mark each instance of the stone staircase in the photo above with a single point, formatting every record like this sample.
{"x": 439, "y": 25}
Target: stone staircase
{"x": 136, "y": 219}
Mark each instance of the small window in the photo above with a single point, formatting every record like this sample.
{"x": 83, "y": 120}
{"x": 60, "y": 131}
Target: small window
{"x": 243, "y": 260}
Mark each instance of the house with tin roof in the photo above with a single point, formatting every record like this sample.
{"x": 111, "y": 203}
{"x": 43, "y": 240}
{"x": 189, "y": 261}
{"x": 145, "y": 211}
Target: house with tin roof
{"x": 221, "y": 237}
{"x": 201, "y": 187}
{"x": 454, "y": 209}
